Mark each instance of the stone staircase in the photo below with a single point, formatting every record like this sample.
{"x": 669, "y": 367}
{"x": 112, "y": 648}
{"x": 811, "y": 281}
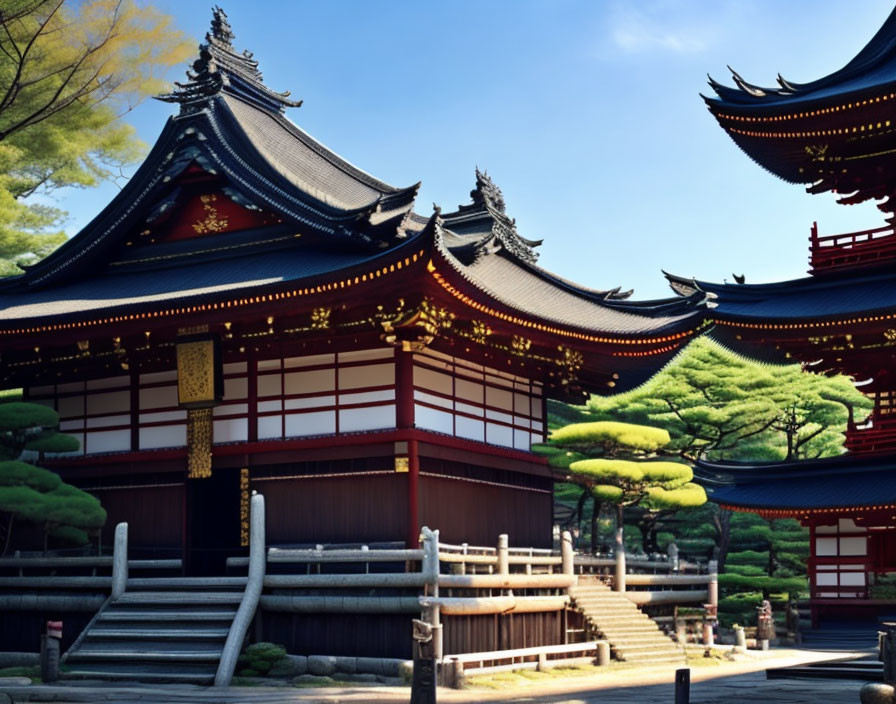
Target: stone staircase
{"x": 165, "y": 630}
{"x": 632, "y": 635}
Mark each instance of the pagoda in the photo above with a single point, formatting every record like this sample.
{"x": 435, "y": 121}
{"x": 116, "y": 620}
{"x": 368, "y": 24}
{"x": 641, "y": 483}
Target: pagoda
{"x": 254, "y": 313}
{"x": 833, "y": 134}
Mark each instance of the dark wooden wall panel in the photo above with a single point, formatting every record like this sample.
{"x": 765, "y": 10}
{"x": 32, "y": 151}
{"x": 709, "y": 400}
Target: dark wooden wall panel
{"x": 476, "y": 512}
{"x": 358, "y": 635}
{"x": 155, "y": 515}
{"x": 474, "y": 634}
{"x": 335, "y": 509}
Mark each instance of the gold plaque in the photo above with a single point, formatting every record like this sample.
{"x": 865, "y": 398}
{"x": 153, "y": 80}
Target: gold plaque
{"x": 401, "y": 464}
{"x": 196, "y": 373}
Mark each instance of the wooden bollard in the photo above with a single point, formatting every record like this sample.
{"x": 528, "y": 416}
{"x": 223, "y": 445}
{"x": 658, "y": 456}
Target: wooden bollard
{"x": 683, "y": 686}
{"x": 603, "y": 653}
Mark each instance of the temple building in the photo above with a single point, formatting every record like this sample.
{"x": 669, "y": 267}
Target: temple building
{"x": 253, "y": 312}
{"x": 834, "y": 134}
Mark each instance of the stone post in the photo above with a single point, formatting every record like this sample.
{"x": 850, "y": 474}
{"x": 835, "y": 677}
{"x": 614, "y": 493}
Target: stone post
{"x": 603, "y": 653}
{"x": 672, "y": 553}
{"x": 566, "y": 553}
{"x": 713, "y": 587}
{"x": 120, "y": 561}
{"x": 619, "y": 547}
{"x": 503, "y": 554}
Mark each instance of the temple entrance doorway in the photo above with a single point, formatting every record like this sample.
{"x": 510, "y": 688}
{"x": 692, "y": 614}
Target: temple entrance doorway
{"x": 212, "y": 530}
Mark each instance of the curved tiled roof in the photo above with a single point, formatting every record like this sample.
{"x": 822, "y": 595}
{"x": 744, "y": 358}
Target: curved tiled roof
{"x": 847, "y": 481}
{"x": 305, "y": 162}
{"x": 873, "y": 66}
{"x": 809, "y": 298}
{"x": 529, "y": 289}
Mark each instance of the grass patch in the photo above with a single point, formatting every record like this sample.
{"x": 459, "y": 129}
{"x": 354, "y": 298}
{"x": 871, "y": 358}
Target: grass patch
{"x": 32, "y": 671}
{"x": 712, "y": 658}
{"x": 508, "y": 680}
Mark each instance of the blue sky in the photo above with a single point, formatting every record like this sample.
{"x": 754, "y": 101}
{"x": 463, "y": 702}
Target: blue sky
{"x": 585, "y": 112}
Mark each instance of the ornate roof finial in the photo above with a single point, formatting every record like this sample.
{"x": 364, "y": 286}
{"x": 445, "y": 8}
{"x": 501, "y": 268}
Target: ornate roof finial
{"x": 221, "y": 33}
{"x": 220, "y": 68}
{"x": 487, "y": 193}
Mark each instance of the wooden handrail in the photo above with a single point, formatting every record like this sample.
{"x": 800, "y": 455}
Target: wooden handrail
{"x": 832, "y": 252}
{"x": 851, "y": 237}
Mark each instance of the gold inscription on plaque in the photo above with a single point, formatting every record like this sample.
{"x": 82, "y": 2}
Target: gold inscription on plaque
{"x": 401, "y": 464}
{"x": 199, "y": 443}
{"x": 196, "y": 372}
{"x": 244, "y": 508}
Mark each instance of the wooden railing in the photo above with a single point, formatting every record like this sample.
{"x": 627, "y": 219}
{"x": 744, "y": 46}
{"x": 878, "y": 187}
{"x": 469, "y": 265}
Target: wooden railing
{"x": 593, "y": 652}
{"x": 851, "y": 250}
{"x": 878, "y": 436}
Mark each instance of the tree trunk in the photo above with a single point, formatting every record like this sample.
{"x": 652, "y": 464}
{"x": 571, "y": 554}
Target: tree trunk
{"x": 619, "y": 584}
{"x": 723, "y": 525}
{"x": 595, "y": 519}
{"x": 6, "y": 543}
{"x": 580, "y": 510}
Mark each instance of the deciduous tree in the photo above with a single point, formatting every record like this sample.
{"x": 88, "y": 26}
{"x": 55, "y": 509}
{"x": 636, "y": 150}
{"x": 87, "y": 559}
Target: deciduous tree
{"x": 68, "y": 71}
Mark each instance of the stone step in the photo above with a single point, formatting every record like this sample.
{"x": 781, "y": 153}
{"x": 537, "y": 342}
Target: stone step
{"x": 185, "y": 673}
{"x": 634, "y": 638}
{"x": 93, "y": 652}
{"x": 606, "y": 603}
{"x": 142, "y": 632}
{"x": 623, "y": 627}
{"x": 142, "y": 615}
{"x": 203, "y": 583}
{"x": 646, "y": 649}
{"x": 183, "y": 598}
{"x": 616, "y": 618}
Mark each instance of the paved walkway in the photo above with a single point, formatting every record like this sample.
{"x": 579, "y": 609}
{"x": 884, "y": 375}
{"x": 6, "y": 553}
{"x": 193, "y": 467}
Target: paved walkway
{"x": 709, "y": 685}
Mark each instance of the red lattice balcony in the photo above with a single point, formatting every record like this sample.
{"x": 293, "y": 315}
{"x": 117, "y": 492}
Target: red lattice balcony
{"x": 878, "y": 433}
{"x": 852, "y": 250}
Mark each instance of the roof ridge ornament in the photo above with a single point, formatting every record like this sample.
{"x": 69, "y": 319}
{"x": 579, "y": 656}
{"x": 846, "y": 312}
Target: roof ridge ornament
{"x": 221, "y": 31}
{"x": 487, "y": 192}
{"x": 489, "y": 200}
{"x": 220, "y": 68}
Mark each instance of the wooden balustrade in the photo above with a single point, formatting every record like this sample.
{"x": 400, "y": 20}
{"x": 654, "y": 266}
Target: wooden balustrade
{"x": 850, "y": 250}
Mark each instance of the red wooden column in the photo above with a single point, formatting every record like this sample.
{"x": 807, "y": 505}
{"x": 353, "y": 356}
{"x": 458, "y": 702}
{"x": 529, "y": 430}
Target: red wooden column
{"x": 413, "y": 535}
{"x": 404, "y": 417}
{"x": 811, "y": 569}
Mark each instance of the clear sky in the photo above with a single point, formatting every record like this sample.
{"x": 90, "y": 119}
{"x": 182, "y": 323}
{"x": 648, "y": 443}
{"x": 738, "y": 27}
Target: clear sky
{"x": 585, "y": 112}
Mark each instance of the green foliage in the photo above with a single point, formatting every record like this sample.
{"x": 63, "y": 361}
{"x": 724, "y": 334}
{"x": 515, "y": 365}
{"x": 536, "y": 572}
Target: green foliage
{"x": 22, "y": 416}
{"x": 67, "y": 72}
{"x": 258, "y": 659}
{"x": 21, "y": 474}
{"x": 797, "y": 547}
{"x": 57, "y": 442}
{"x": 655, "y": 484}
{"x": 748, "y": 557}
{"x": 718, "y": 404}
{"x": 607, "y": 459}
{"x": 761, "y": 535}
{"x": 793, "y": 586}
{"x": 740, "y": 602}
{"x": 746, "y": 570}
{"x": 606, "y": 437}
